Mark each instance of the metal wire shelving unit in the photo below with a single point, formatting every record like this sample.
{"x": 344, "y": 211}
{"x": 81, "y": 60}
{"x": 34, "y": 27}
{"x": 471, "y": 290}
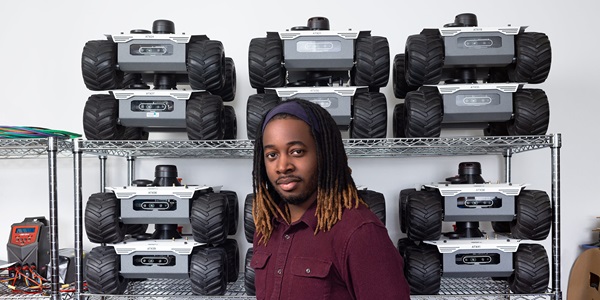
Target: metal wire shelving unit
{"x": 452, "y": 288}
{"x": 466, "y": 288}
{"x": 354, "y": 147}
{"x": 50, "y": 147}
{"x": 33, "y": 148}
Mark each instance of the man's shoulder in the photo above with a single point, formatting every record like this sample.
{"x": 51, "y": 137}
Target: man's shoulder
{"x": 356, "y": 217}
{"x": 356, "y": 224}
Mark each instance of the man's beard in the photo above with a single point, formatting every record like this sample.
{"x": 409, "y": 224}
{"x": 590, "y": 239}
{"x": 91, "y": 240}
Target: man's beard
{"x": 296, "y": 200}
{"x": 302, "y": 197}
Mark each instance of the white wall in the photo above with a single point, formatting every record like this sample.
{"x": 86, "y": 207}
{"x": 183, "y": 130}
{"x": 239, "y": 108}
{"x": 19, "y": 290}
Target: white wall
{"x": 41, "y": 43}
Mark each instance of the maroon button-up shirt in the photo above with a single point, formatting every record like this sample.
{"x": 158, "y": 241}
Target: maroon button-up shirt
{"x": 354, "y": 260}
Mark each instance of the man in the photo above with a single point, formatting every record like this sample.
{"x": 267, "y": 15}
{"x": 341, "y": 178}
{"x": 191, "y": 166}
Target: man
{"x": 315, "y": 238}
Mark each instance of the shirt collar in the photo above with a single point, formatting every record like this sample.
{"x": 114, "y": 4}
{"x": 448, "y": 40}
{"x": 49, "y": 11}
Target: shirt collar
{"x": 309, "y": 218}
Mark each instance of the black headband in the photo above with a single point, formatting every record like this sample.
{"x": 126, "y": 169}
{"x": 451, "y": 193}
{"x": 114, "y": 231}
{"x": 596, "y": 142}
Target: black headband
{"x": 292, "y": 108}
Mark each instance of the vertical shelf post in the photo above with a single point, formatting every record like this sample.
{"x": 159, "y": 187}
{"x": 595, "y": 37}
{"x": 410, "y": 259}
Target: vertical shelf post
{"x": 555, "y": 152}
{"x": 130, "y": 169}
{"x": 507, "y": 166}
{"x": 102, "y": 159}
{"x": 77, "y": 153}
{"x": 52, "y": 180}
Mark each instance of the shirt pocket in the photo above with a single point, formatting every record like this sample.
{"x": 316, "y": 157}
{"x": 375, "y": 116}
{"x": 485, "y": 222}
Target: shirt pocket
{"x": 311, "y": 278}
{"x": 259, "y": 260}
{"x": 258, "y": 264}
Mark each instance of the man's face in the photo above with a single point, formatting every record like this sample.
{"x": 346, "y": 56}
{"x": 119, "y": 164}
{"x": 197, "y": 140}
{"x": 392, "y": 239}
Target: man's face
{"x": 291, "y": 159}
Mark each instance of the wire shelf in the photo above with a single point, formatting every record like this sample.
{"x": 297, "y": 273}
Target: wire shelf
{"x": 7, "y": 294}
{"x": 31, "y": 148}
{"x": 451, "y": 288}
{"x": 354, "y": 147}
{"x": 165, "y": 289}
{"x": 15, "y": 296}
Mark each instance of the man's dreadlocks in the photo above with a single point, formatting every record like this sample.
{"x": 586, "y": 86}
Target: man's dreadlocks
{"x": 336, "y": 189}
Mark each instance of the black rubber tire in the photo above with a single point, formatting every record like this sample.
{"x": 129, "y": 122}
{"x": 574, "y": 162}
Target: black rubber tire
{"x": 399, "y": 77}
{"x": 204, "y": 117}
{"x": 208, "y": 271}
{"x": 372, "y": 62}
{"x": 249, "y": 275}
{"x": 102, "y": 271}
{"x": 206, "y": 65}
{"x": 375, "y": 201}
{"x": 103, "y": 219}
{"x": 497, "y": 75}
{"x": 531, "y": 113}
{"x": 398, "y": 129}
{"x": 256, "y": 108}
{"x": 424, "y": 111}
{"x": 533, "y": 219}
{"x": 233, "y": 259}
{"x": 402, "y": 199}
{"x": 130, "y": 80}
{"x": 423, "y": 269}
{"x": 533, "y": 58}
{"x": 136, "y": 229}
{"x": 134, "y": 134}
{"x": 265, "y": 63}
{"x": 369, "y": 116}
{"x": 501, "y": 227}
{"x": 424, "y": 216}
{"x": 227, "y": 92}
{"x": 229, "y": 122}
{"x": 101, "y": 121}
{"x": 209, "y": 219}
{"x": 233, "y": 211}
{"x": 424, "y": 59}
{"x": 100, "y": 118}
{"x": 403, "y": 244}
{"x": 531, "y": 270}
{"x": 496, "y": 129}
{"x": 99, "y": 66}
{"x": 249, "y": 226}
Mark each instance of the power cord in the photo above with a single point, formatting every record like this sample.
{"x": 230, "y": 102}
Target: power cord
{"x": 26, "y": 132}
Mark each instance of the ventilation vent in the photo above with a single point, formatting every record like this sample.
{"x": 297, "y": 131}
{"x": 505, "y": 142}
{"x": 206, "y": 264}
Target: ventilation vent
{"x": 122, "y": 95}
{"x": 124, "y": 195}
{"x": 349, "y": 35}
{"x": 345, "y": 92}
{"x": 509, "y": 191}
{"x": 181, "y": 39}
{"x": 124, "y": 250}
{"x": 184, "y": 195}
{"x": 448, "y": 90}
{"x": 286, "y": 93}
{"x": 122, "y": 38}
{"x": 180, "y": 96}
{"x": 508, "y": 248}
{"x": 182, "y": 250}
{"x": 288, "y": 35}
{"x": 508, "y": 88}
{"x": 510, "y": 30}
{"x": 449, "y": 192}
{"x": 449, "y": 32}
{"x": 448, "y": 249}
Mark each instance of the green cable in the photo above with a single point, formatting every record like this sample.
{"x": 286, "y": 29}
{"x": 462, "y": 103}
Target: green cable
{"x": 26, "y": 132}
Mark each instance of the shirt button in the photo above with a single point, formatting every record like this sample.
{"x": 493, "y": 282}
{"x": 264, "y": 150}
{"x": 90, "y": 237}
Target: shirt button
{"x": 307, "y": 271}
{"x": 287, "y": 236}
{"x": 279, "y": 271}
